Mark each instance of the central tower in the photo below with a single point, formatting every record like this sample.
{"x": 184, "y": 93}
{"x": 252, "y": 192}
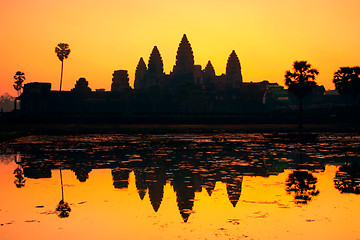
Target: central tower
{"x": 233, "y": 71}
{"x": 183, "y": 70}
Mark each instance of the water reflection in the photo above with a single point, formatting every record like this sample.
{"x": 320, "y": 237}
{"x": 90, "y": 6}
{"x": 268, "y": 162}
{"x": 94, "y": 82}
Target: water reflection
{"x": 18, "y": 172}
{"x": 63, "y": 209}
{"x": 347, "y": 179}
{"x": 303, "y": 185}
{"x": 19, "y": 177}
{"x": 233, "y": 189}
{"x": 81, "y": 170}
{"x": 191, "y": 163}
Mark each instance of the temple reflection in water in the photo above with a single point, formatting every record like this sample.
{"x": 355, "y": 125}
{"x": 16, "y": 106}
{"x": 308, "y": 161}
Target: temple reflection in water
{"x": 190, "y": 164}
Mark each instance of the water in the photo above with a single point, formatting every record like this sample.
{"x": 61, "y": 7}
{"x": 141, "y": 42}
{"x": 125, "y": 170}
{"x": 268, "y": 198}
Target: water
{"x": 180, "y": 186}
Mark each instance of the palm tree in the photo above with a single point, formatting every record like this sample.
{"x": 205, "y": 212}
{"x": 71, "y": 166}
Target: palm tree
{"x": 19, "y": 79}
{"x": 301, "y": 81}
{"x": 19, "y": 177}
{"x": 62, "y": 50}
{"x": 63, "y": 209}
{"x": 347, "y": 81}
{"x": 347, "y": 178}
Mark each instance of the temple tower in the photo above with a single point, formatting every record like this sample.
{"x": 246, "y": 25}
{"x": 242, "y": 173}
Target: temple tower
{"x": 120, "y": 80}
{"x": 209, "y": 75}
{"x": 155, "y": 70}
{"x": 233, "y": 71}
{"x": 140, "y": 75}
{"x": 183, "y": 70}
{"x": 82, "y": 85}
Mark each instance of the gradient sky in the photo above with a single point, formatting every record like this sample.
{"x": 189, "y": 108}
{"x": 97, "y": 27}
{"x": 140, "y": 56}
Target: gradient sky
{"x": 107, "y": 35}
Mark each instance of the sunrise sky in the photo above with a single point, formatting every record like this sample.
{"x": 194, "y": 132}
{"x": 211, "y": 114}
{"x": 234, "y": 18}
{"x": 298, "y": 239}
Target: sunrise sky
{"x": 107, "y": 35}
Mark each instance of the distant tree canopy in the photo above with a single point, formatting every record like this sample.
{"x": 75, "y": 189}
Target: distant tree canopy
{"x": 347, "y": 81}
{"x": 7, "y": 102}
{"x": 19, "y": 80}
{"x": 301, "y": 80}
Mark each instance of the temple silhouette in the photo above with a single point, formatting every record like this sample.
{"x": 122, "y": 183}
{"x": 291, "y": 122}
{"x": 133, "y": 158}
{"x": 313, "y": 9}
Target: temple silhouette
{"x": 185, "y": 71}
{"x": 188, "y": 92}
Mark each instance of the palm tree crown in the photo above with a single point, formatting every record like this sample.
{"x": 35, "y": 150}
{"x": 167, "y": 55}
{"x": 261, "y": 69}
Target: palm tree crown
{"x": 62, "y": 50}
{"x": 19, "y": 79}
{"x": 347, "y": 81}
{"x": 302, "y": 79}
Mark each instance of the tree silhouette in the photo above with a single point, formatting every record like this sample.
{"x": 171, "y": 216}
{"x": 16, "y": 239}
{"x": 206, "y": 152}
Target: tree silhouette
{"x": 19, "y": 79}
{"x": 62, "y": 50}
{"x": 303, "y": 185}
{"x": 301, "y": 81}
{"x": 347, "y": 81}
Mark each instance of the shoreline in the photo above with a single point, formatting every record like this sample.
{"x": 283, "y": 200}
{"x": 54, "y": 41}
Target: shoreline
{"x": 8, "y": 130}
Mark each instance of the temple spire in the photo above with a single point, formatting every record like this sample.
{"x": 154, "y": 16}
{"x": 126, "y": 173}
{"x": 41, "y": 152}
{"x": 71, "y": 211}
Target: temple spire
{"x": 155, "y": 65}
{"x": 209, "y": 75}
{"x": 140, "y": 75}
{"x": 155, "y": 70}
{"x": 185, "y": 56}
{"x": 184, "y": 67}
{"x": 233, "y": 71}
{"x": 209, "y": 69}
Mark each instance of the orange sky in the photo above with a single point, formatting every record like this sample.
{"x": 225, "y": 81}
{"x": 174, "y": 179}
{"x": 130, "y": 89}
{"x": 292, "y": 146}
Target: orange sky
{"x": 108, "y": 35}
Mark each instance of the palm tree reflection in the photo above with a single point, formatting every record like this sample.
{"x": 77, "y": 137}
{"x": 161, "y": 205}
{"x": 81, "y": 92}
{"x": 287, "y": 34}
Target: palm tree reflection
{"x": 19, "y": 177}
{"x": 303, "y": 185}
{"x": 63, "y": 209}
{"x": 347, "y": 178}
{"x": 18, "y": 172}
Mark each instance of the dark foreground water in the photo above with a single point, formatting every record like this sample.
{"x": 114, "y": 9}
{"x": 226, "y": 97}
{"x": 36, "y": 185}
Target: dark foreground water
{"x": 180, "y": 186}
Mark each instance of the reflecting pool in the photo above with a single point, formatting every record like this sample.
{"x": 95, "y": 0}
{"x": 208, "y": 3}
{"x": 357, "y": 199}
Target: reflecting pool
{"x": 180, "y": 186}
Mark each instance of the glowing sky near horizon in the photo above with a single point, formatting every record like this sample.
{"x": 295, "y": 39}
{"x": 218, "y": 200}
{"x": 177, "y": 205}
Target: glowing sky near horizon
{"x": 107, "y": 35}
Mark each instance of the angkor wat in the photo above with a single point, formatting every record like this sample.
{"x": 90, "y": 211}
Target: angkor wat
{"x": 188, "y": 91}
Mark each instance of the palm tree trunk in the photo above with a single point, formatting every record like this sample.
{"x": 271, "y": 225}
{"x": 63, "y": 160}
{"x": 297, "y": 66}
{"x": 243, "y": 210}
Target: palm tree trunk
{"x": 301, "y": 116}
{"x": 62, "y": 187}
{"x": 62, "y": 66}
